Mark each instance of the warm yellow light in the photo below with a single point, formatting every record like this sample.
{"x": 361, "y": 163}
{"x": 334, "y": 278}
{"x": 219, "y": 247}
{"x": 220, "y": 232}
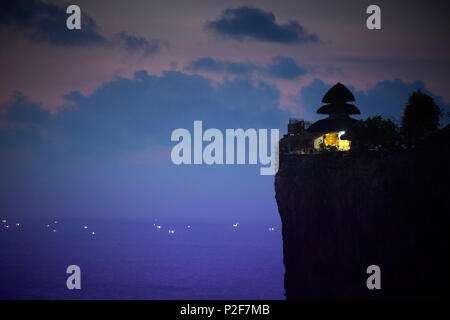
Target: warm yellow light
{"x": 333, "y": 139}
{"x": 344, "y": 145}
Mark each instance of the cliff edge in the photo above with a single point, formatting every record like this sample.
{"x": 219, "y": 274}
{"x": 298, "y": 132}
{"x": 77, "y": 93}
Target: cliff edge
{"x": 342, "y": 213}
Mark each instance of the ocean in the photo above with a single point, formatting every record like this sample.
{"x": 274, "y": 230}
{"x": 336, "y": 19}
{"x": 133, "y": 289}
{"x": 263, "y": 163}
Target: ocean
{"x": 149, "y": 259}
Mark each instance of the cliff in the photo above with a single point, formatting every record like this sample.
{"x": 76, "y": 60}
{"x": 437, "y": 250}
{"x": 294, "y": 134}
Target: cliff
{"x": 341, "y": 213}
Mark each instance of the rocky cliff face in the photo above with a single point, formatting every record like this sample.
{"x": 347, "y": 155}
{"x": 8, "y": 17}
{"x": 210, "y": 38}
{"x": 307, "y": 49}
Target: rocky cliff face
{"x": 341, "y": 214}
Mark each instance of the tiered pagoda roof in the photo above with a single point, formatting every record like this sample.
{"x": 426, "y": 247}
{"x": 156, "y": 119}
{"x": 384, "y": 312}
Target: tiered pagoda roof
{"x": 338, "y": 110}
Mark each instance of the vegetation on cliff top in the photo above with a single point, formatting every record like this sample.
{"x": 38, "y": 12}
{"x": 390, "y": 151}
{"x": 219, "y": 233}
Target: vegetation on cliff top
{"x": 419, "y": 128}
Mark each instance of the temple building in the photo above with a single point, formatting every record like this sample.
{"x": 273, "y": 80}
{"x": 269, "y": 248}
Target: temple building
{"x": 329, "y": 133}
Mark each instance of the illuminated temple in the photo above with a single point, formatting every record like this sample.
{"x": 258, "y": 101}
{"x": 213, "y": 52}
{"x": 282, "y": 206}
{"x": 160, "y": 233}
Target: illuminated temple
{"x": 327, "y": 134}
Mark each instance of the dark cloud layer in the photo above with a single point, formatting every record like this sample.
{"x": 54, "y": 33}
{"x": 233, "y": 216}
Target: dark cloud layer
{"x": 21, "y": 110}
{"x": 127, "y": 114}
{"x": 284, "y": 68}
{"x": 20, "y": 121}
{"x": 209, "y": 64}
{"x": 136, "y": 113}
{"x": 140, "y": 45}
{"x": 253, "y": 23}
{"x": 280, "y": 67}
{"x": 46, "y": 22}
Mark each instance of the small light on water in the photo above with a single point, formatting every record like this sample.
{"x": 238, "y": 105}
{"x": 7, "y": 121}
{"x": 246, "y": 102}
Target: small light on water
{"x": 159, "y": 227}
{"x": 236, "y": 224}
{"x": 93, "y": 233}
{"x": 271, "y": 229}
{"x": 85, "y": 227}
{"x": 3, "y": 221}
{"x": 171, "y": 231}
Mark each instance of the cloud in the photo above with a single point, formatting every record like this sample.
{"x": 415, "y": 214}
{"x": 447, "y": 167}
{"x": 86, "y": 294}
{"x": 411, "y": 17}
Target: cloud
{"x": 253, "y": 23}
{"x": 132, "y": 114}
{"x": 284, "y": 68}
{"x": 46, "y": 22}
{"x": 127, "y": 114}
{"x": 219, "y": 66}
{"x": 140, "y": 45}
{"x": 20, "y": 121}
{"x": 387, "y": 98}
{"x": 20, "y": 110}
{"x": 280, "y": 67}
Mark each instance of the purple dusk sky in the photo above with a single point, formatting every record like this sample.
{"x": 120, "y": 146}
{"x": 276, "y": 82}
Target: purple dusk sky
{"x": 86, "y": 116}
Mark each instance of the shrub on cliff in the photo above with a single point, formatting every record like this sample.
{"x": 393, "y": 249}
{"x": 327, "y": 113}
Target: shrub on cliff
{"x": 374, "y": 134}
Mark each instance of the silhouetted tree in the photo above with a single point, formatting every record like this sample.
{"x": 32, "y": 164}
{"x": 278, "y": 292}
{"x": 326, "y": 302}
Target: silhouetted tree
{"x": 420, "y": 118}
{"x": 374, "y": 134}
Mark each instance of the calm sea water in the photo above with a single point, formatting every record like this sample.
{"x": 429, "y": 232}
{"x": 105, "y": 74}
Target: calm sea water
{"x": 138, "y": 260}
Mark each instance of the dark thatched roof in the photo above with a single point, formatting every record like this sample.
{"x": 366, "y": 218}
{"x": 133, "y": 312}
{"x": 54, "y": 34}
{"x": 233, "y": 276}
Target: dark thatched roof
{"x": 331, "y": 125}
{"x": 339, "y": 107}
{"x": 338, "y": 93}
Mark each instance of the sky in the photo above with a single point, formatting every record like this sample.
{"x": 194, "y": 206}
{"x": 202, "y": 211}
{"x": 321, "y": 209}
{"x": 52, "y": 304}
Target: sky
{"x": 86, "y": 115}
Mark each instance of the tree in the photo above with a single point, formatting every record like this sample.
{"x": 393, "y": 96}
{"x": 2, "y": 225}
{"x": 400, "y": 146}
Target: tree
{"x": 420, "y": 118}
{"x": 374, "y": 134}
